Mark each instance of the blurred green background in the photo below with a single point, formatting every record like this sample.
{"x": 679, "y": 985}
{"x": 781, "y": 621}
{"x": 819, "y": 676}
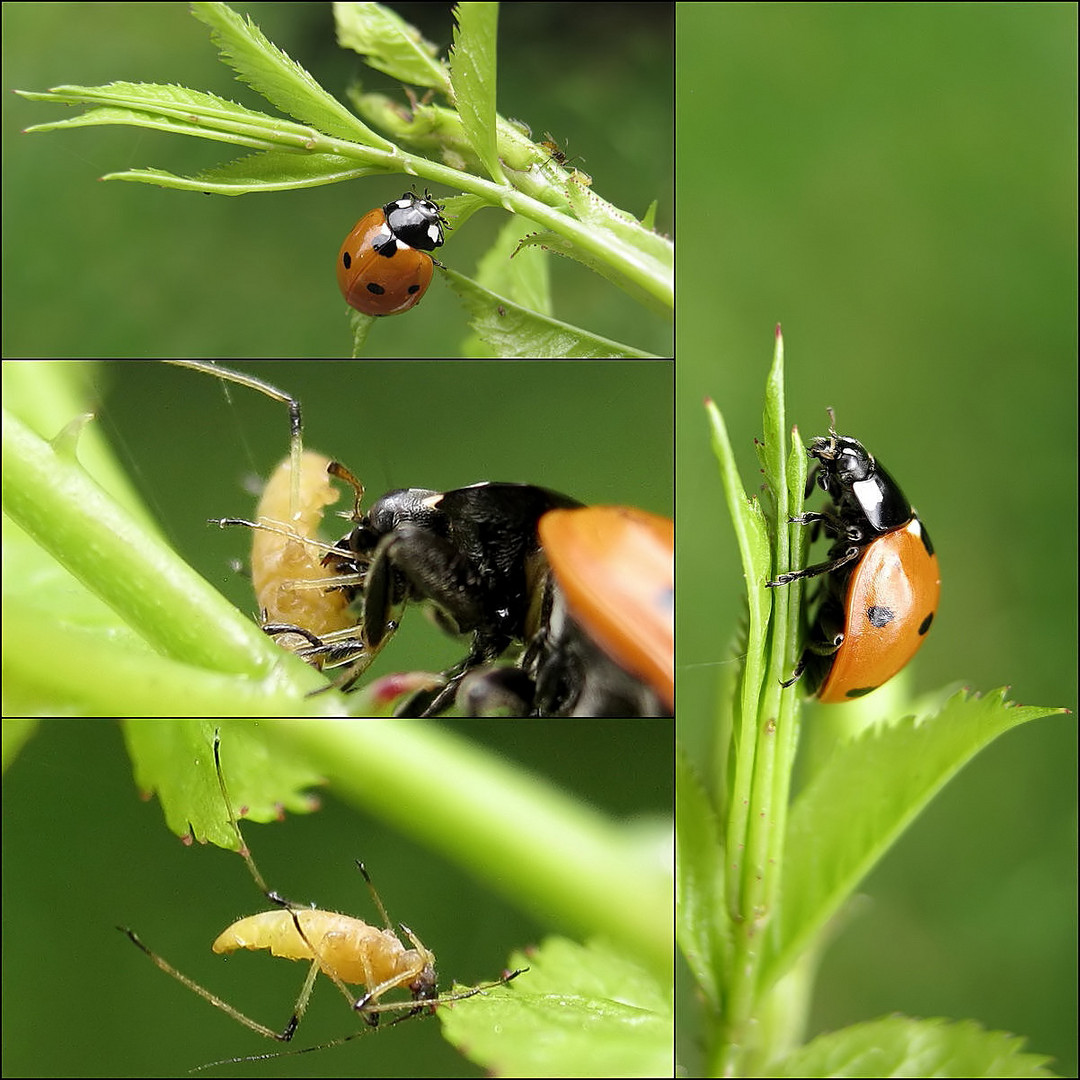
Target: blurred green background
{"x": 896, "y": 185}
{"x": 82, "y": 853}
{"x": 129, "y": 270}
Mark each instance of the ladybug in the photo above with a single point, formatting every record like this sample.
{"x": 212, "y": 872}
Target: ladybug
{"x": 882, "y": 579}
{"x": 519, "y": 565}
{"x": 383, "y": 266}
{"x": 472, "y": 554}
{"x": 604, "y": 645}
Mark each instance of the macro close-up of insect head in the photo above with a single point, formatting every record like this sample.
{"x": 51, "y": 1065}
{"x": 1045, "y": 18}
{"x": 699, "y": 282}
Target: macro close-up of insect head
{"x": 426, "y": 180}
{"x": 488, "y": 941}
{"x": 145, "y": 554}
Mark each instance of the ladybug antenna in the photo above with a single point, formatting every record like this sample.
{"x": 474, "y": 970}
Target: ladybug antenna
{"x": 832, "y": 420}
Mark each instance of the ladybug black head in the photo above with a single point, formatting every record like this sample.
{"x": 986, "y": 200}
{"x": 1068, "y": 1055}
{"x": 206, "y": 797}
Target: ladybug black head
{"x": 844, "y": 461}
{"x": 866, "y": 498}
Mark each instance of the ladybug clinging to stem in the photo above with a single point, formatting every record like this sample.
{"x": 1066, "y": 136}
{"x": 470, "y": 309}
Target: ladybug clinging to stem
{"x": 881, "y": 579}
{"x": 384, "y": 266}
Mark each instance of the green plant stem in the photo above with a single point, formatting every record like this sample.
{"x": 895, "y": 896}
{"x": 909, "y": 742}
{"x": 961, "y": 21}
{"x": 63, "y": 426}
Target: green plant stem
{"x": 542, "y": 849}
{"x": 264, "y": 133}
{"x": 49, "y": 494}
{"x": 760, "y": 754}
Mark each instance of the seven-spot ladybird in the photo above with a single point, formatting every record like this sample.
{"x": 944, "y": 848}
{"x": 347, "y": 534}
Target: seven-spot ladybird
{"x": 881, "y": 591}
{"x": 383, "y": 266}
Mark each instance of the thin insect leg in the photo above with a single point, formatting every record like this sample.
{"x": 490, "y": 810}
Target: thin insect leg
{"x": 282, "y": 1053}
{"x": 296, "y": 426}
{"x": 358, "y": 1034}
{"x": 366, "y": 1005}
{"x": 416, "y": 1007}
{"x": 375, "y": 895}
{"x": 274, "y": 629}
{"x": 260, "y": 881}
{"x": 281, "y": 529}
{"x": 280, "y": 1036}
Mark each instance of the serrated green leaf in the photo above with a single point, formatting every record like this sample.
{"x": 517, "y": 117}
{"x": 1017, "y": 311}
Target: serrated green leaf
{"x": 639, "y": 275}
{"x": 389, "y": 44}
{"x": 176, "y": 110}
{"x": 864, "y": 797}
{"x": 578, "y": 1011}
{"x": 165, "y": 99}
{"x": 283, "y": 82}
{"x": 509, "y": 330}
{"x": 175, "y": 761}
{"x": 621, "y": 227}
{"x": 900, "y": 1046}
{"x": 473, "y": 73}
{"x": 272, "y": 170}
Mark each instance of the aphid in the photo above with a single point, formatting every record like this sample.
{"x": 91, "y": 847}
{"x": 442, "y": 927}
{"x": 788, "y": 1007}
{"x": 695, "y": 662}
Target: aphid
{"x": 282, "y": 556}
{"x": 305, "y": 594}
{"x": 349, "y": 951}
{"x": 305, "y": 601}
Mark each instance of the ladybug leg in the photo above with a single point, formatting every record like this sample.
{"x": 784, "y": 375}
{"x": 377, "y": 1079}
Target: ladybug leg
{"x": 800, "y": 667}
{"x": 384, "y": 595}
{"x": 849, "y": 555}
{"x": 812, "y": 651}
{"x": 426, "y": 703}
{"x": 274, "y": 629}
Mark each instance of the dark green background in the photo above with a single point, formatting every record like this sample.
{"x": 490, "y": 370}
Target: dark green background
{"x": 896, "y": 185}
{"x": 122, "y": 269}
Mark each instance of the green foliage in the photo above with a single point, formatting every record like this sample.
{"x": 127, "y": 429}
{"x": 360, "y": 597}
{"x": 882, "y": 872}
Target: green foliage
{"x": 763, "y": 879}
{"x": 897, "y": 1046}
{"x": 467, "y": 146}
{"x": 585, "y": 1010}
